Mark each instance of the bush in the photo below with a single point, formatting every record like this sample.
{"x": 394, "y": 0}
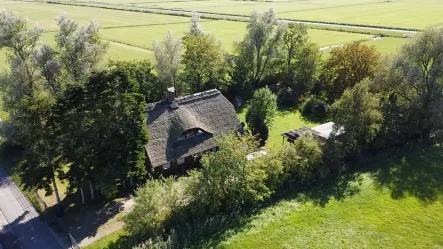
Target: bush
{"x": 287, "y": 97}
{"x": 303, "y": 160}
{"x": 155, "y": 204}
{"x": 316, "y": 107}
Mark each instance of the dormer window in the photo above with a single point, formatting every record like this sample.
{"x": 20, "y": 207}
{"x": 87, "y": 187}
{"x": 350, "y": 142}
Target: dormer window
{"x": 191, "y": 133}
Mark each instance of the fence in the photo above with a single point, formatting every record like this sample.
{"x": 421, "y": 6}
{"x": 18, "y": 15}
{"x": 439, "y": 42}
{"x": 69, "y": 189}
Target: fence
{"x": 44, "y": 206}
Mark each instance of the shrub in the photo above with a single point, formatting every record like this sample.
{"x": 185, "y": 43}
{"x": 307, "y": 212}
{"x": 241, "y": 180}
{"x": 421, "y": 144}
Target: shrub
{"x": 287, "y": 97}
{"x": 303, "y": 160}
{"x": 155, "y": 203}
{"x": 316, "y": 107}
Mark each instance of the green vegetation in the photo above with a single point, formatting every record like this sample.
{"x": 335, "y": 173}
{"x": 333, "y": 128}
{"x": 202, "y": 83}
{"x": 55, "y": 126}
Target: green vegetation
{"x": 286, "y": 119}
{"x": 109, "y": 241}
{"x": 395, "y": 13}
{"x": 131, "y": 33}
{"x": 397, "y": 204}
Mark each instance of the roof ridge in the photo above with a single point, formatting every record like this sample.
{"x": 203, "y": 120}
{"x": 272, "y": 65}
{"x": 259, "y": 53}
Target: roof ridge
{"x": 197, "y": 96}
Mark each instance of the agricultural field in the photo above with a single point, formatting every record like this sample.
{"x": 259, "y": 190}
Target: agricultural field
{"x": 409, "y": 14}
{"x": 130, "y": 34}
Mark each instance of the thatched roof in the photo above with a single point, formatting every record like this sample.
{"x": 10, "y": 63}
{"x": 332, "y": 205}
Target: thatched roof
{"x": 209, "y": 111}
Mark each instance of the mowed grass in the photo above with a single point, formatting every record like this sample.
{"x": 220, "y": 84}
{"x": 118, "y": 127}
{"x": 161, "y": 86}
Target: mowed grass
{"x": 397, "y": 204}
{"x": 388, "y": 45}
{"x": 286, "y": 119}
{"x": 108, "y": 241}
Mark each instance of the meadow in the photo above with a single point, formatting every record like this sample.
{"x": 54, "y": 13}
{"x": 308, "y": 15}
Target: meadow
{"x": 130, "y": 34}
{"x": 410, "y": 14}
{"x": 394, "y": 203}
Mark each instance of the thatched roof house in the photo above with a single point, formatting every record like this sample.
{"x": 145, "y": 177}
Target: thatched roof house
{"x": 181, "y": 129}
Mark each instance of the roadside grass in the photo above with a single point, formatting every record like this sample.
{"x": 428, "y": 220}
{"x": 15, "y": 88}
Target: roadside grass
{"x": 286, "y": 119}
{"x": 111, "y": 241}
{"x": 396, "y": 203}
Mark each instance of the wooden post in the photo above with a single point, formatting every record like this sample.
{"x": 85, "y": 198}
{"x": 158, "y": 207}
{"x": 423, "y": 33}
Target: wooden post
{"x": 83, "y": 195}
{"x": 131, "y": 181}
{"x": 91, "y": 187}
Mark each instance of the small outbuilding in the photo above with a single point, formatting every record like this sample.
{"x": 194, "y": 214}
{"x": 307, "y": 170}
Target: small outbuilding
{"x": 182, "y": 129}
{"x": 321, "y": 132}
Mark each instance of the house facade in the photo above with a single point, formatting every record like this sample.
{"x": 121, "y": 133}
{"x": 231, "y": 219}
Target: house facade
{"x": 182, "y": 129}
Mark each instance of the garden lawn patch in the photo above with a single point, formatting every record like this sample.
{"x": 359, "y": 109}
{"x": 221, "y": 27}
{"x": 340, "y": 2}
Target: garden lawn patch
{"x": 284, "y": 121}
{"x": 397, "y": 204}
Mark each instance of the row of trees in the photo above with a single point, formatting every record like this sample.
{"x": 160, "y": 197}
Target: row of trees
{"x": 75, "y": 119}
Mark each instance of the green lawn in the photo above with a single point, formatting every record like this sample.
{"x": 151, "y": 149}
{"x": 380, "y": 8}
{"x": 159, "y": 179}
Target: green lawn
{"x": 109, "y": 241}
{"x": 285, "y": 120}
{"x": 397, "y": 204}
{"x": 388, "y": 45}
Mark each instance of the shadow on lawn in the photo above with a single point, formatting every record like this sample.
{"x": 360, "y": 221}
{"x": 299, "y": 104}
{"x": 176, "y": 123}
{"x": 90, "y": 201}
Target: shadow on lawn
{"x": 418, "y": 174}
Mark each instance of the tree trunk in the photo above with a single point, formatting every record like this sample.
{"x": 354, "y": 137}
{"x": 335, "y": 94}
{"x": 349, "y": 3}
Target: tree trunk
{"x": 57, "y": 196}
{"x": 131, "y": 181}
{"x": 124, "y": 182}
{"x": 83, "y": 195}
{"x": 91, "y": 187}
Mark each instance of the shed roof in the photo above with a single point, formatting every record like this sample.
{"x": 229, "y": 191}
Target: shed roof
{"x": 209, "y": 111}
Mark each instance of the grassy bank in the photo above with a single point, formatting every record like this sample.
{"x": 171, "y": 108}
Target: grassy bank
{"x": 397, "y": 203}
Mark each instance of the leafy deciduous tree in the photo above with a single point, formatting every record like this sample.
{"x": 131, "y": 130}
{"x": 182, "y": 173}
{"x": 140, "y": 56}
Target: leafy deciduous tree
{"x": 358, "y": 113}
{"x": 168, "y": 55}
{"x": 261, "y": 112}
{"x": 347, "y": 66}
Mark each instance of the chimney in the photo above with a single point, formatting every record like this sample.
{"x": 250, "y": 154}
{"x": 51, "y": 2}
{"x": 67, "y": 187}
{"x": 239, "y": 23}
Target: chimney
{"x": 170, "y": 94}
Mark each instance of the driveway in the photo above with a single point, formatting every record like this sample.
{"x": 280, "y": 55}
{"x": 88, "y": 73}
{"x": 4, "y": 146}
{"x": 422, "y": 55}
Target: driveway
{"x": 20, "y": 225}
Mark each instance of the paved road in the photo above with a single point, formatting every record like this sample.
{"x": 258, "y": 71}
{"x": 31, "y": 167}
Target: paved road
{"x": 23, "y": 222}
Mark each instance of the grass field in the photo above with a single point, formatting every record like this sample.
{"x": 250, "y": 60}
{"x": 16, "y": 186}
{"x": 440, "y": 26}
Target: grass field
{"x": 397, "y": 204}
{"x": 394, "y": 13}
{"x": 130, "y": 34}
{"x": 285, "y": 120}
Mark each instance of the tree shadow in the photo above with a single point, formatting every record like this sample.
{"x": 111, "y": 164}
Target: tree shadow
{"x": 83, "y": 221}
{"x": 418, "y": 174}
{"x": 27, "y": 231}
{"x": 337, "y": 189}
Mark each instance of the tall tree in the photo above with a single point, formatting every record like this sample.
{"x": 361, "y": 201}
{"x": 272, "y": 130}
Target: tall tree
{"x": 260, "y": 44}
{"x": 141, "y": 74}
{"x": 80, "y": 48}
{"x": 358, "y": 114}
{"x": 168, "y": 56}
{"x": 104, "y": 131}
{"x": 195, "y": 29}
{"x": 204, "y": 63}
{"x": 261, "y": 113}
{"x": 300, "y": 59}
{"x": 21, "y": 42}
{"x": 414, "y": 84}
{"x": 347, "y": 66}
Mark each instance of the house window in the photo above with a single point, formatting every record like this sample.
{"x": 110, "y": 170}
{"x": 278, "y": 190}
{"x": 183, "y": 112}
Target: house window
{"x": 180, "y": 161}
{"x": 167, "y": 166}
